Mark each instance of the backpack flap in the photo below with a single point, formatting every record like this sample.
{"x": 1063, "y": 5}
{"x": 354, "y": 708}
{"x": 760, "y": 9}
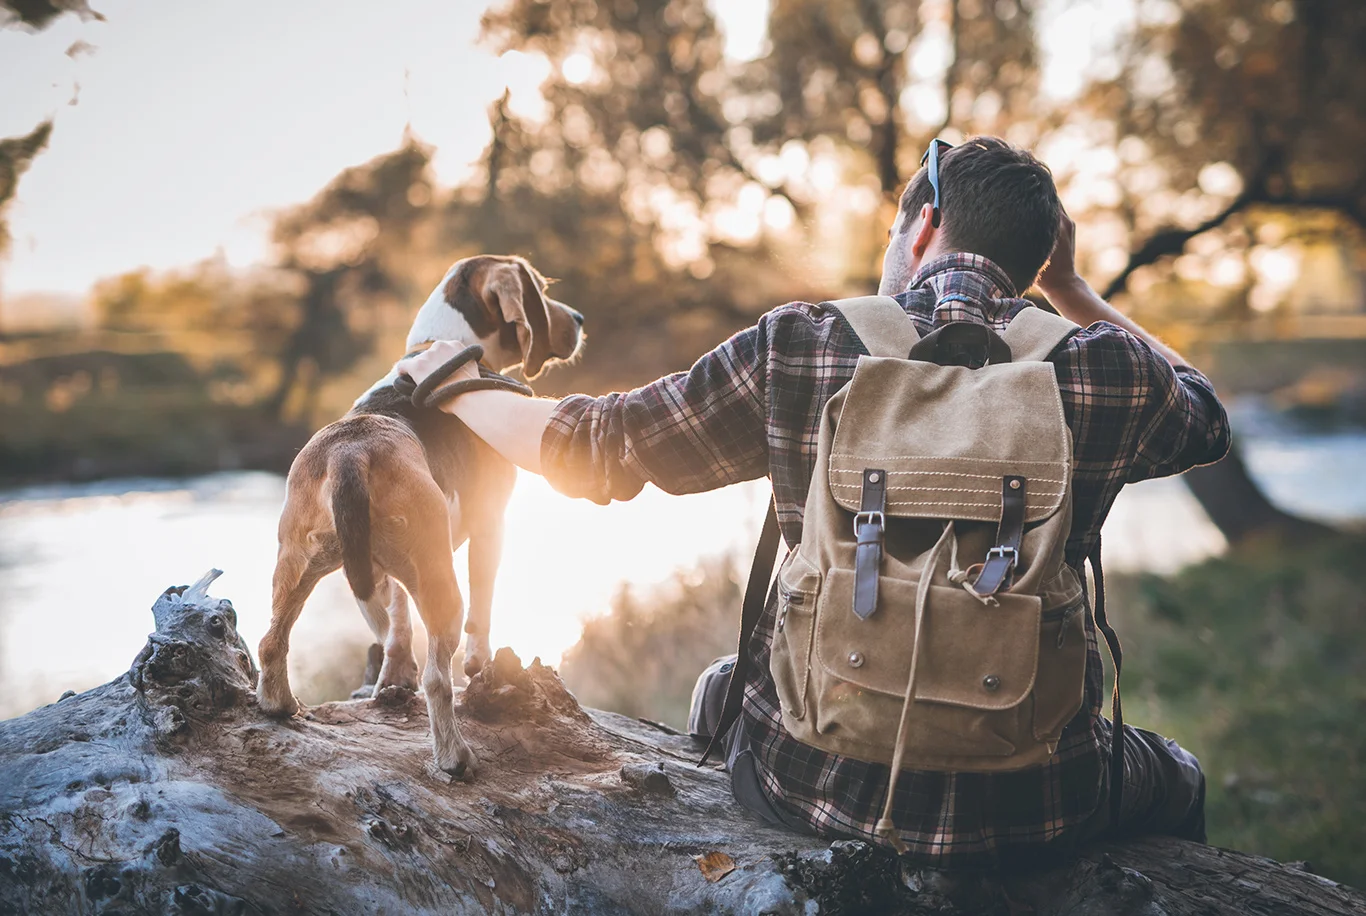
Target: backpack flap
{"x": 947, "y": 436}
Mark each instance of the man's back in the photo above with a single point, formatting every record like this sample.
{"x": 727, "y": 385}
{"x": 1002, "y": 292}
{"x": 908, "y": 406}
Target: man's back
{"x": 752, "y": 408}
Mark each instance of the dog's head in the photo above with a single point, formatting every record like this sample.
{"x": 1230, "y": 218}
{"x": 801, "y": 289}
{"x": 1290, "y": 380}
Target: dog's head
{"x": 500, "y": 302}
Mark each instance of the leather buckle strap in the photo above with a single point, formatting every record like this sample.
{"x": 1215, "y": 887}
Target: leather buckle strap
{"x": 865, "y": 519}
{"x": 869, "y": 525}
{"x": 999, "y": 568}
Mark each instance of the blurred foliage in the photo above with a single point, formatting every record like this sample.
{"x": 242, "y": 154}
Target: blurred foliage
{"x": 17, "y": 152}
{"x": 1238, "y": 120}
{"x": 15, "y": 155}
{"x": 643, "y": 656}
{"x": 1253, "y": 662}
{"x": 35, "y": 15}
{"x": 676, "y": 193}
{"x": 205, "y": 368}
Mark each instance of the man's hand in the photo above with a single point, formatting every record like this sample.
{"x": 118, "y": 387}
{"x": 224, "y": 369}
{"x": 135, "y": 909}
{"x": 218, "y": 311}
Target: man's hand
{"x": 1077, "y": 302}
{"x": 419, "y": 367}
{"x": 1061, "y": 271}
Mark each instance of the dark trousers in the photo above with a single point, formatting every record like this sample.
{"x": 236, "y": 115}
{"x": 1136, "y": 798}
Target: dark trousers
{"x": 1164, "y": 788}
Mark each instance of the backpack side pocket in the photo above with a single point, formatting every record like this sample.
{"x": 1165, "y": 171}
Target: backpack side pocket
{"x": 790, "y": 658}
{"x": 1060, "y": 687}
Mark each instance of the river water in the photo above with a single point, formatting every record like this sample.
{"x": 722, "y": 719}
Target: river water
{"x": 80, "y": 565}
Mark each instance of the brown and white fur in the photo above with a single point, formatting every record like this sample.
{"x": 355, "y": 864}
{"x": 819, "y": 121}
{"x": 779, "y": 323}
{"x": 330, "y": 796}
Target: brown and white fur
{"x": 390, "y": 490}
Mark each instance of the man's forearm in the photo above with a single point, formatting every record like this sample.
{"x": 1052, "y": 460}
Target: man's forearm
{"x": 1077, "y": 302}
{"x": 511, "y": 423}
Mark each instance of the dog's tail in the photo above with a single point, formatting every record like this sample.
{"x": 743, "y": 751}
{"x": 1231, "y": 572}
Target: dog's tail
{"x": 351, "y": 515}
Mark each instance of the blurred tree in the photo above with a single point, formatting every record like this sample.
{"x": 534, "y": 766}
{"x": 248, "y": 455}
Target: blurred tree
{"x": 16, "y": 153}
{"x": 1235, "y": 118}
{"x": 1252, "y": 105}
{"x": 662, "y": 171}
{"x": 39, "y": 14}
{"x": 629, "y": 186}
{"x": 352, "y": 251}
{"x": 871, "y": 74}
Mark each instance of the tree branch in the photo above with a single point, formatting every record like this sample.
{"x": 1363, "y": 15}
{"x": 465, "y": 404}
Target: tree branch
{"x": 1166, "y": 242}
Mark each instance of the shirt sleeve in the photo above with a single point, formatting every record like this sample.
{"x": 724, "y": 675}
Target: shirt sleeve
{"x": 686, "y": 432}
{"x": 1132, "y": 403}
{"x": 1187, "y": 426}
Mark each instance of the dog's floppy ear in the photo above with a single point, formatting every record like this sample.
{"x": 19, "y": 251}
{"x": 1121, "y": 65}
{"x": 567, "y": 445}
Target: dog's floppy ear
{"x": 517, "y": 291}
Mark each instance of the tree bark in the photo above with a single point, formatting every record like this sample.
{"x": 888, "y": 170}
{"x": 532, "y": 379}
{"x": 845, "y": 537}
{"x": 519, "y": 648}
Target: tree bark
{"x": 167, "y": 791}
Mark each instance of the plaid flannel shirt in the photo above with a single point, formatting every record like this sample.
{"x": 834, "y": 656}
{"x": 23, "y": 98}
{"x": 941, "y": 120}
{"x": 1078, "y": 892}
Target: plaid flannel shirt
{"x": 752, "y": 407}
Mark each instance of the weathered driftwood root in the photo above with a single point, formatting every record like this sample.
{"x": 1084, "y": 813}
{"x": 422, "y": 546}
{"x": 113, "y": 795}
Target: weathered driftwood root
{"x": 167, "y": 791}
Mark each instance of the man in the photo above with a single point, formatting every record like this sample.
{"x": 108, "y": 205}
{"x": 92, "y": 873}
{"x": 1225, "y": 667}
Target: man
{"x": 961, "y": 251}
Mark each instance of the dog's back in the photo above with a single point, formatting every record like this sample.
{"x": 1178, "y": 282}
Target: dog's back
{"x": 386, "y": 443}
{"x": 454, "y": 454}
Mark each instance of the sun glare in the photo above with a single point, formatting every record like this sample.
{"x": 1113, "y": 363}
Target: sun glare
{"x": 745, "y": 25}
{"x": 577, "y": 68}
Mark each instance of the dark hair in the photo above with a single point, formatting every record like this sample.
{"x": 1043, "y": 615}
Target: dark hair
{"x": 995, "y": 200}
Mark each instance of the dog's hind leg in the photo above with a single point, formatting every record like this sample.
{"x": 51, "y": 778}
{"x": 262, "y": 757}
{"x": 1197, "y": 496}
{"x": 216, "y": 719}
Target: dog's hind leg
{"x": 296, "y": 573}
{"x": 386, "y": 611}
{"x": 377, "y": 618}
{"x": 486, "y": 551}
{"x": 400, "y": 668}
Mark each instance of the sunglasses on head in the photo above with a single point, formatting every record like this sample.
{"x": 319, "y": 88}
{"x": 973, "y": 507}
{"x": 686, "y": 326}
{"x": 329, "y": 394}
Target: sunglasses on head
{"x": 932, "y": 157}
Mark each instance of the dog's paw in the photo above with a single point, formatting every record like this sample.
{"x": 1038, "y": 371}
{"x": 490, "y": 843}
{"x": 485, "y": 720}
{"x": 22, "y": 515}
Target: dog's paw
{"x": 364, "y": 692}
{"x": 402, "y": 676}
{"x": 394, "y": 695}
{"x": 279, "y": 709}
{"x": 477, "y": 655}
{"x": 457, "y": 761}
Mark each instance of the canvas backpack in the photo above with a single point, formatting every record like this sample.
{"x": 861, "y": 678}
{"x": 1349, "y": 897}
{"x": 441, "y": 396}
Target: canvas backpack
{"x": 928, "y": 620}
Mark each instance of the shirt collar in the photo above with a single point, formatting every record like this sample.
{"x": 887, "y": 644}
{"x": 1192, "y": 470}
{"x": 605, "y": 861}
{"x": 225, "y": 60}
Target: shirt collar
{"x": 966, "y": 282}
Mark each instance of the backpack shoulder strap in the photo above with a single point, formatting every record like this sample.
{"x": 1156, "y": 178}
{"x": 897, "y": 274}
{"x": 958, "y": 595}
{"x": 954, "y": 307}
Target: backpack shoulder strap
{"x": 756, "y": 596}
{"x": 882, "y": 324}
{"x": 1034, "y": 333}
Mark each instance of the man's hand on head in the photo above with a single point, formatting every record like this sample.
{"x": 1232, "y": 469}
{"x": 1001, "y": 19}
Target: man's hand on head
{"x": 419, "y": 367}
{"x": 1061, "y": 270}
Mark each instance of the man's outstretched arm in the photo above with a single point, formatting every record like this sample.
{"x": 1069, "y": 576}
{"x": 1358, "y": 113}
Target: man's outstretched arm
{"x": 686, "y": 432}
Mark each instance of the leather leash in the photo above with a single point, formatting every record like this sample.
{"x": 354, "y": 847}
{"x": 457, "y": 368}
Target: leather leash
{"x": 432, "y": 393}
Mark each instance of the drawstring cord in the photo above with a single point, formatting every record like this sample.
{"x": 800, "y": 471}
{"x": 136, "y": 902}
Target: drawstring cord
{"x": 885, "y": 828}
{"x": 960, "y": 576}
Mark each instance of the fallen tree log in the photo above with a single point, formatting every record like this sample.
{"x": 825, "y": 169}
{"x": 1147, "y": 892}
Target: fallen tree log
{"x": 167, "y": 791}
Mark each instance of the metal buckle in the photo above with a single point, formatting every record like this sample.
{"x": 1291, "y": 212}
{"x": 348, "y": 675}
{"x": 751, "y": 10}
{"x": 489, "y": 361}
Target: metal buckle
{"x": 1008, "y": 553}
{"x": 869, "y": 518}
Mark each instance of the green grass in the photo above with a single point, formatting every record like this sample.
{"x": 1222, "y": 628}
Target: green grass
{"x": 1256, "y": 662}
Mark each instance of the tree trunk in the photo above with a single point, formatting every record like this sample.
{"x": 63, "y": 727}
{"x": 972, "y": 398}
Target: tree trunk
{"x": 167, "y": 791}
{"x": 1238, "y": 508}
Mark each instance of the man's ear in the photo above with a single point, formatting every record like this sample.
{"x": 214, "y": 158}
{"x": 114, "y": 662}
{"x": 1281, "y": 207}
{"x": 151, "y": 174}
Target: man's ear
{"x": 924, "y": 232}
{"x": 521, "y": 303}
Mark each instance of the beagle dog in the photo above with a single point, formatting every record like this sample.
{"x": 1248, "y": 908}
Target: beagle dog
{"x": 390, "y": 490}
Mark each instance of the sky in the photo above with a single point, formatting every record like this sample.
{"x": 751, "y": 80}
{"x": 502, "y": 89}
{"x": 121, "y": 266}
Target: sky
{"x": 188, "y": 124}
{"x": 195, "y": 120}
